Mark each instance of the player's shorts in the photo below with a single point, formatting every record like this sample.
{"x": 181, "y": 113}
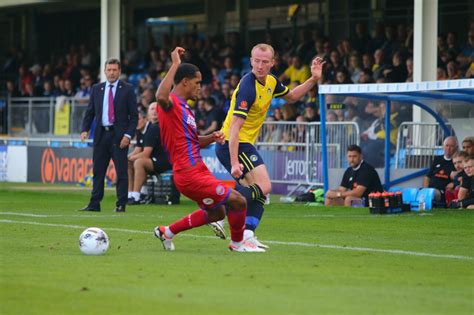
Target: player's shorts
{"x": 160, "y": 164}
{"x": 248, "y": 156}
{"x": 198, "y": 183}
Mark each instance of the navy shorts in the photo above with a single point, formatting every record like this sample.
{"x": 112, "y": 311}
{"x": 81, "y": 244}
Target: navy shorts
{"x": 248, "y": 156}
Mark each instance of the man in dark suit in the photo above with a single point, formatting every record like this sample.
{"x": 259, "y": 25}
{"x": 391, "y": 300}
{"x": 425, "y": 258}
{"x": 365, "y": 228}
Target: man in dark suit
{"x": 113, "y": 104}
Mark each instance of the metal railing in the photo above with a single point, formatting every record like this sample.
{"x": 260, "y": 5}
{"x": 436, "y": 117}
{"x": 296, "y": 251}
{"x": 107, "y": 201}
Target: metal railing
{"x": 37, "y": 116}
{"x": 418, "y": 143}
{"x": 296, "y": 147}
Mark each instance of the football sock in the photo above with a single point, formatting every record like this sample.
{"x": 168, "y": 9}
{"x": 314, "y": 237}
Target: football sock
{"x": 236, "y": 220}
{"x": 129, "y": 195}
{"x": 136, "y": 195}
{"x": 144, "y": 190}
{"x": 254, "y": 215}
{"x": 168, "y": 232}
{"x": 255, "y": 201}
{"x": 195, "y": 219}
{"x": 248, "y": 234}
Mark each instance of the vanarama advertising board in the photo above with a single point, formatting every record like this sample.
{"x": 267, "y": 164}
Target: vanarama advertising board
{"x": 62, "y": 165}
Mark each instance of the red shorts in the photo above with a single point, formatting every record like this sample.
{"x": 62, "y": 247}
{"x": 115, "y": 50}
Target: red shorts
{"x": 198, "y": 183}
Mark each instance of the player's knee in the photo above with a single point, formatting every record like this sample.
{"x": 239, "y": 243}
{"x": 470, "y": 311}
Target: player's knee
{"x": 347, "y": 201}
{"x": 237, "y": 201}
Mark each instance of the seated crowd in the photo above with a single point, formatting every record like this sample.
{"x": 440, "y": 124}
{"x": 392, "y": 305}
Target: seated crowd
{"x": 386, "y": 56}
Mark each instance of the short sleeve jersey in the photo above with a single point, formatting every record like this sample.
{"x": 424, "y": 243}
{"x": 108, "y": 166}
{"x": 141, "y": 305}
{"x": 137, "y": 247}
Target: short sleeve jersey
{"x": 179, "y": 134}
{"x": 251, "y": 100}
{"x": 364, "y": 175}
{"x": 439, "y": 173}
{"x": 153, "y": 139}
{"x": 141, "y": 136}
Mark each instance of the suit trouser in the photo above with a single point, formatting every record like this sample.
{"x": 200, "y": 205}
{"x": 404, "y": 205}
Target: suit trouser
{"x": 104, "y": 150}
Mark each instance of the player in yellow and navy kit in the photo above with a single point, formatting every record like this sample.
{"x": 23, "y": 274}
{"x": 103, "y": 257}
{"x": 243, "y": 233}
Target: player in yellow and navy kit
{"x": 248, "y": 109}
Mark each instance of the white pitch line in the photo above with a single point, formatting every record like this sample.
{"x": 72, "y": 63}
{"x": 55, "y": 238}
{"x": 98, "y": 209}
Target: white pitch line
{"x": 83, "y": 215}
{"x": 360, "y": 249}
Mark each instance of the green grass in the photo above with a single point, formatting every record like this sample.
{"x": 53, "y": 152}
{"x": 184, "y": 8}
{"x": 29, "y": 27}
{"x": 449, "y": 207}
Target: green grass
{"x": 42, "y": 270}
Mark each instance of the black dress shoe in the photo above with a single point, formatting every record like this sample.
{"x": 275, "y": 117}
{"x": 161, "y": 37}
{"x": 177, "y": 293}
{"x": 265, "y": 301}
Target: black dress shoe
{"x": 120, "y": 208}
{"x": 89, "y": 208}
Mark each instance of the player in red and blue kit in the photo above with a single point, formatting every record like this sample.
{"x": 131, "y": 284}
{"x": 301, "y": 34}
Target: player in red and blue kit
{"x": 192, "y": 178}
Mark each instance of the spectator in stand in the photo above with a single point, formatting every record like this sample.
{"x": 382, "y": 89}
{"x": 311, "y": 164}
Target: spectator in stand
{"x": 358, "y": 181}
{"x": 439, "y": 174}
{"x": 397, "y": 72}
{"x": 280, "y": 66}
{"x": 311, "y": 112}
{"x": 441, "y": 74}
{"x": 24, "y": 77}
{"x": 453, "y": 71}
{"x": 452, "y": 45}
{"x": 228, "y": 70}
{"x": 342, "y": 77}
{"x": 466, "y": 57}
{"x": 379, "y": 38}
{"x": 379, "y": 65}
{"x": 48, "y": 89}
{"x": 299, "y": 133}
{"x": 367, "y": 63}
{"x": 288, "y": 112}
{"x": 12, "y": 91}
{"x": 277, "y": 114}
{"x": 345, "y": 50}
{"x": 29, "y": 90}
{"x": 373, "y": 138}
{"x": 468, "y": 145}
{"x": 391, "y": 44}
{"x": 365, "y": 76}
{"x": 297, "y": 73}
{"x": 147, "y": 97}
{"x": 69, "y": 89}
{"x": 85, "y": 88}
{"x": 354, "y": 68}
{"x": 213, "y": 117}
{"x": 131, "y": 57}
{"x": 361, "y": 39}
{"x": 37, "y": 80}
{"x": 272, "y": 134}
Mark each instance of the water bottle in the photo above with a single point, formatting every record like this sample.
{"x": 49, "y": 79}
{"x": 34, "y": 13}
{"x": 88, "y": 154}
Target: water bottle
{"x": 421, "y": 206}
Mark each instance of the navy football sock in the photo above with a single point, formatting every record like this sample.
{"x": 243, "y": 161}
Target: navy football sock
{"x": 255, "y": 201}
{"x": 254, "y": 215}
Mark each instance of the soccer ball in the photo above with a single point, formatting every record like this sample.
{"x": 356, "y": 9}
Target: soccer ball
{"x": 93, "y": 241}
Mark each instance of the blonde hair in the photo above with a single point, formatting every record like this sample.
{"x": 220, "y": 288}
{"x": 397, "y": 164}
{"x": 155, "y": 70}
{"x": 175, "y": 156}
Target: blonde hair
{"x": 264, "y": 47}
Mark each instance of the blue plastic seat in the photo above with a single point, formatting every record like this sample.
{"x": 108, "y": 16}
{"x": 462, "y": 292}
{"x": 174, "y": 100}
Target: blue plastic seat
{"x": 409, "y": 196}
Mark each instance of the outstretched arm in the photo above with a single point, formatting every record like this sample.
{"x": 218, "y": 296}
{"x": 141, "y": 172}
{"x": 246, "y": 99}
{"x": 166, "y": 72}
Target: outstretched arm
{"x": 298, "y": 92}
{"x": 163, "y": 92}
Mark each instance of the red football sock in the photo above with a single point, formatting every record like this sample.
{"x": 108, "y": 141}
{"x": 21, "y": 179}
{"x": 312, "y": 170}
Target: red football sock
{"x": 195, "y": 219}
{"x": 236, "y": 220}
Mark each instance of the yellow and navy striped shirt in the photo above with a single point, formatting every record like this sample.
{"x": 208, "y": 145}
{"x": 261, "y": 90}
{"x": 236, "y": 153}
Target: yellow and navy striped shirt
{"x": 251, "y": 101}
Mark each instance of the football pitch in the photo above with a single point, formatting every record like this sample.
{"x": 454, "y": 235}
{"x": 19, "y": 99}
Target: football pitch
{"x": 321, "y": 261}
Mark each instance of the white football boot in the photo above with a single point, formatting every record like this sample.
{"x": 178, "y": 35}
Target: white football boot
{"x": 165, "y": 240}
{"x": 250, "y": 237}
{"x": 218, "y": 229}
{"x": 245, "y": 247}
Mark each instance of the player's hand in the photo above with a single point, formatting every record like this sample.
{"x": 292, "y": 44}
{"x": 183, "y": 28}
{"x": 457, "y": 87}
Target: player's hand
{"x": 124, "y": 142}
{"x": 218, "y": 137}
{"x": 176, "y": 55}
{"x": 84, "y": 135}
{"x": 237, "y": 170}
{"x": 317, "y": 68}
